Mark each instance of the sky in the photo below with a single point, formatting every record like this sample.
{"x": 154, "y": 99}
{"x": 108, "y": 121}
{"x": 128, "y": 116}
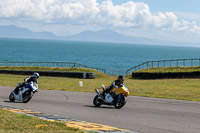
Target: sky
{"x": 172, "y": 20}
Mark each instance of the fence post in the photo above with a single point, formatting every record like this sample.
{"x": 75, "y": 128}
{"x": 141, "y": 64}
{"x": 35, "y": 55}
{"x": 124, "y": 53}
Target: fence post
{"x": 184, "y": 62}
{"x": 191, "y": 62}
{"x": 199, "y": 62}
{"x": 164, "y": 64}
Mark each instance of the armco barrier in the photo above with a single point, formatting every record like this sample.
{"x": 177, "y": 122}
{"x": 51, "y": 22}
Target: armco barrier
{"x": 178, "y": 75}
{"x": 84, "y": 75}
{"x": 165, "y": 64}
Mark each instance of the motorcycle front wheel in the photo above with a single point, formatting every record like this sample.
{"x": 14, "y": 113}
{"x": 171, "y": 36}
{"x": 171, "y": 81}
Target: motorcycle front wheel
{"x": 97, "y": 102}
{"x": 27, "y": 96}
{"x": 11, "y": 97}
{"x": 120, "y": 101}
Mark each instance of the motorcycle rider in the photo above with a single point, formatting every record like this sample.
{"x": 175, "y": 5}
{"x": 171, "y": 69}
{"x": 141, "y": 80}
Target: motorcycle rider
{"x": 117, "y": 83}
{"x": 31, "y": 81}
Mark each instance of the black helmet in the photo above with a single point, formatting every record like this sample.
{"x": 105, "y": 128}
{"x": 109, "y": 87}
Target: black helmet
{"x": 121, "y": 78}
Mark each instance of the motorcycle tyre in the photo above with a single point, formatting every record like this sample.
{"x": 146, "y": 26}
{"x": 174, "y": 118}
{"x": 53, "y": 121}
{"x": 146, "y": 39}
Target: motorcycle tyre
{"x": 27, "y": 96}
{"x": 97, "y": 102}
{"x": 122, "y": 104}
{"x": 11, "y": 97}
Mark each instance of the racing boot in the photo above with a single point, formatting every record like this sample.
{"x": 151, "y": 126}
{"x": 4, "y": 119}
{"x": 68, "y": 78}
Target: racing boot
{"x": 16, "y": 91}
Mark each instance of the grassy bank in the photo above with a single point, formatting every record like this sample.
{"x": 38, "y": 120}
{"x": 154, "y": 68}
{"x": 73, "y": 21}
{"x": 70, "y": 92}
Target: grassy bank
{"x": 74, "y": 69}
{"x": 185, "y": 89}
{"x": 17, "y": 123}
{"x": 170, "y": 69}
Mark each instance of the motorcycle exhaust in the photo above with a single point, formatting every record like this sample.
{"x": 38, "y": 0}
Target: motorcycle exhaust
{"x": 97, "y": 91}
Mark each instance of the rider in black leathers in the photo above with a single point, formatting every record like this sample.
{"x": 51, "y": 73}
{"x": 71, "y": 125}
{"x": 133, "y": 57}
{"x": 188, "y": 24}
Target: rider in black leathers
{"x": 115, "y": 84}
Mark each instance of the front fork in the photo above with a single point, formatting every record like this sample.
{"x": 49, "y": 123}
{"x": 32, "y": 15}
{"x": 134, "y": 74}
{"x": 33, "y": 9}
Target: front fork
{"x": 97, "y": 91}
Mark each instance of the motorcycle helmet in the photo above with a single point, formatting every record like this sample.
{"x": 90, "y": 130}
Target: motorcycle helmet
{"x": 121, "y": 78}
{"x": 36, "y": 75}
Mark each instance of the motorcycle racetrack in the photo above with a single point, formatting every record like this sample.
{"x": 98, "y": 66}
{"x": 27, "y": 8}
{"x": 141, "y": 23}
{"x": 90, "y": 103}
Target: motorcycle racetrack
{"x": 140, "y": 114}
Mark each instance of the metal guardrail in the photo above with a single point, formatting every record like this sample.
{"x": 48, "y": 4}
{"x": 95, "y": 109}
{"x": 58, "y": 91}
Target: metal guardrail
{"x": 62, "y": 65}
{"x": 116, "y": 72}
{"x": 165, "y": 63}
{"x": 50, "y": 64}
{"x": 145, "y": 65}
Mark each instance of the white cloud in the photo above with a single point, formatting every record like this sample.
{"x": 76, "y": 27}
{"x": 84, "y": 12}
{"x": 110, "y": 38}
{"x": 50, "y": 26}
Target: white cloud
{"x": 190, "y": 16}
{"x": 91, "y": 14}
{"x": 47, "y": 10}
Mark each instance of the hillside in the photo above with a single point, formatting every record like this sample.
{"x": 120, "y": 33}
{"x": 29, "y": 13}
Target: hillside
{"x": 12, "y": 31}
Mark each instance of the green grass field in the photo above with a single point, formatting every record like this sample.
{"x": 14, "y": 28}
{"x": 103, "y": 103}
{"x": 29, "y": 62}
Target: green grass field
{"x": 182, "y": 89}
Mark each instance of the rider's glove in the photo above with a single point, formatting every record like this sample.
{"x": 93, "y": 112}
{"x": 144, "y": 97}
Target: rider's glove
{"x": 115, "y": 86}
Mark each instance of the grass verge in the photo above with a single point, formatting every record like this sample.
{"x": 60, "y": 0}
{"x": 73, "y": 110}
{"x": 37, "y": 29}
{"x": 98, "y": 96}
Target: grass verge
{"x": 182, "y": 89}
{"x": 18, "y": 123}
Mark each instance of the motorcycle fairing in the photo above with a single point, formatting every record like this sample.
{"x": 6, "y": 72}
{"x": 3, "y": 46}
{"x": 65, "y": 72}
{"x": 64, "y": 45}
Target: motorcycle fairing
{"x": 32, "y": 87}
{"x": 121, "y": 90}
{"x": 21, "y": 91}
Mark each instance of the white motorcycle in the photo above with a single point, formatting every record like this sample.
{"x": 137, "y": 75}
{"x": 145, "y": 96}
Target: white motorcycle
{"x": 25, "y": 93}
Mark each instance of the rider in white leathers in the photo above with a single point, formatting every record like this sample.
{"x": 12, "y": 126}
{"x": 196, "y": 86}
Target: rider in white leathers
{"x": 31, "y": 82}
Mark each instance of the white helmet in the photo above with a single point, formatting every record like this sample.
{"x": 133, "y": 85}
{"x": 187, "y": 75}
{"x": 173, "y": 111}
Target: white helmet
{"x": 36, "y": 75}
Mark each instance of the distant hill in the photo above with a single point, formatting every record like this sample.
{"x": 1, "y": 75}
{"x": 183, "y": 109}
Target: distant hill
{"x": 114, "y": 37}
{"x": 16, "y": 32}
{"x": 111, "y": 36}
{"x": 12, "y": 31}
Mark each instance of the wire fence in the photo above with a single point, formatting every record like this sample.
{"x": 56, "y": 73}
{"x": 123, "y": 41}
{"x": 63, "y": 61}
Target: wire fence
{"x": 165, "y": 63}
{"x": 61, "y": 65}
{"x": 49, "y": 64}
{"x": 116, "y": 72}
{"x": 145, "y": 65}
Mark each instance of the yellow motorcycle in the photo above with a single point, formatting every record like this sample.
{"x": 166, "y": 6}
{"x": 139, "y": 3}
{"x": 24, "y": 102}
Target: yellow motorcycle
{"x": 116, "y": 97}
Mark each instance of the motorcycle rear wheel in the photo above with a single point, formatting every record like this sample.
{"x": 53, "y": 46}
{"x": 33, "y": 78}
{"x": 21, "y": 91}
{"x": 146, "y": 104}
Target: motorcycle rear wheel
{"x": 11, "y": 97}
{"x": 97, "y": 102}
{"x": 27, "y": 96}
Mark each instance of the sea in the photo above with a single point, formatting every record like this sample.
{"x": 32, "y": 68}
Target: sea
{"x": 115, "y": 58}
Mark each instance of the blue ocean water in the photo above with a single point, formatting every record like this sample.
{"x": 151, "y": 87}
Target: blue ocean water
{"x": 109, "y": 56}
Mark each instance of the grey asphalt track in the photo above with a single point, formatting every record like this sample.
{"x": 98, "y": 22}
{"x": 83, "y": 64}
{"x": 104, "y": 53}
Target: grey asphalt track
{"x": 140, "y": 114}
